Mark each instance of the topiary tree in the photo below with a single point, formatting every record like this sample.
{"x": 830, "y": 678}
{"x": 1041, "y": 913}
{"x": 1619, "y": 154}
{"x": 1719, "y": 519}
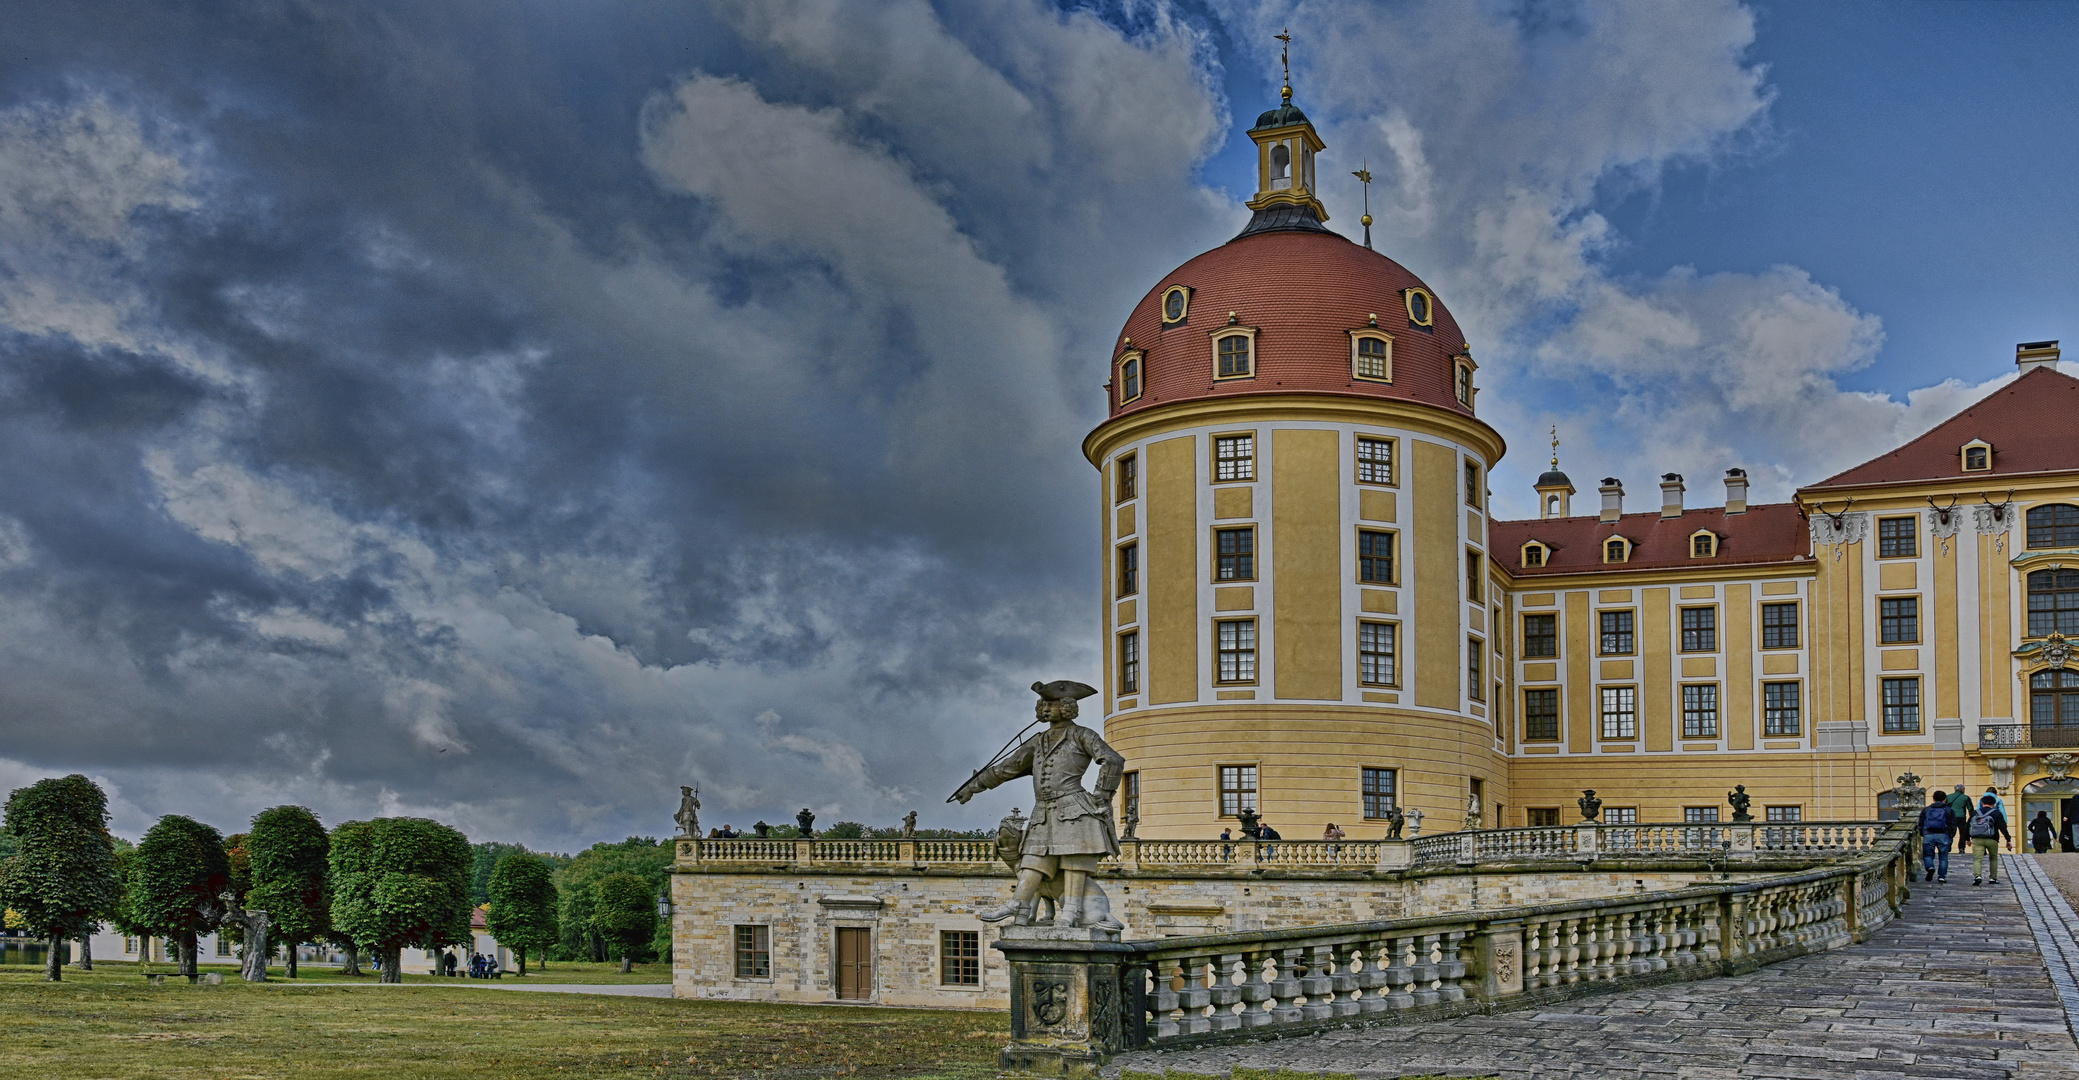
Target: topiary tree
{"x": 624, "y": 915}
{"x": 398, "y": 883}
{"x": 177, "y": 882}
{"x": 62, "y": 875}
{"x": 523, "y": 905}
{"x": 291, "y": 881}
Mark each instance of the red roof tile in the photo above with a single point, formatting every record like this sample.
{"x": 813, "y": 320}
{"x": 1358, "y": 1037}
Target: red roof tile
{"x": 1303, "y": 292}
{"x": 2032, "y": 424}
{"x": 1770, "y": 533}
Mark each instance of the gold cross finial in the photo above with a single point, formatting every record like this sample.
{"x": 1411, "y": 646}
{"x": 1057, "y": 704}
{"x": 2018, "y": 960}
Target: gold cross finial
{"x": 1555, "y": 446}
{"x": 1285, "y": 58}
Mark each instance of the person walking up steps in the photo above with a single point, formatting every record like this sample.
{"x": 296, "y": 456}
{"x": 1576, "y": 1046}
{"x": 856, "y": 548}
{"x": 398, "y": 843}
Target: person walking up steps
{"x": 1988, "y": 826}
{"x": 2040, "y": 830}
{"x": 1937, "y": 828}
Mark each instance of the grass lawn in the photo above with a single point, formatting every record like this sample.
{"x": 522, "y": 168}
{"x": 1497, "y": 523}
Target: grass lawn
{"x": 558, "y": 972}
{"x": 110, "y": 1023}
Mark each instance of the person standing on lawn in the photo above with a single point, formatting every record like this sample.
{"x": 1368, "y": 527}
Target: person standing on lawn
{"x": 1937, "y": 829}
{"x": 1988, "y": 826}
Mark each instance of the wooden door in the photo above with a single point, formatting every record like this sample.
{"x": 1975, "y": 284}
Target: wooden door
{"x": 854, "y": 962}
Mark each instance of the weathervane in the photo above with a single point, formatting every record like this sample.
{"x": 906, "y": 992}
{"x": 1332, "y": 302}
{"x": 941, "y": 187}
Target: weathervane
{"x": 1555, "y": 448}
{"x": 1364, "y": 176}
{"x": 1285, "y": 58}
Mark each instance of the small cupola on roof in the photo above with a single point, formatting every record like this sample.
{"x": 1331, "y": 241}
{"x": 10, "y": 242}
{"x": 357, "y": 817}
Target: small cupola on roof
{"x": 1555, "y": 491}
{"x": 1286, "y": 194}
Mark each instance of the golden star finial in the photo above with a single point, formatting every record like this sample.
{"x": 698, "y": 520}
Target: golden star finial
{"x": 1285, "y": 58}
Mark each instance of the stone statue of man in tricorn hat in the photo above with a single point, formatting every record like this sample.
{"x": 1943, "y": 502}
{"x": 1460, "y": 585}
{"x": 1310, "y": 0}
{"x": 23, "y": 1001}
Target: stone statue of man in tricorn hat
{"x": 1070, "y": 828}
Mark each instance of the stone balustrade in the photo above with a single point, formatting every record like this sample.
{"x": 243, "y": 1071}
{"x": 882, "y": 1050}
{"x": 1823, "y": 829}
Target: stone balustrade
{"x": 1078, "y": 996}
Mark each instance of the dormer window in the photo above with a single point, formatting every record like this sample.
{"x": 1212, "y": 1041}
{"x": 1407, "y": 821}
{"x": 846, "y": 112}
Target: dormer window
{"x": 1462, "y": 382}
{"x": 1129, "y": 376}
{"x": 1534, "y": 554}
{"x": 1234, "y": 352}
{"x": 1703, "y": 544}
{"x": 1421, "y": 307}
{"x": 1616, "y": 550}
{"x": 1371, "y": 356}
{"x": 1176, "y": 305}
{"x": 1977, "y": 456}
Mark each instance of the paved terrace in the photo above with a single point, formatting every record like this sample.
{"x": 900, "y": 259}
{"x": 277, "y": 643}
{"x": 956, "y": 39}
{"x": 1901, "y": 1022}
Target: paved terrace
{"x": 1968, "y": 983}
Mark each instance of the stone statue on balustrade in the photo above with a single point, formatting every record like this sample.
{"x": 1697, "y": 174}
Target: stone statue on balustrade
{"x": 688, "y": 816}
{"x": 1589, "y": 804}
{"x": 1740, "y": 801}
{"x": 1071, "y": 829}
{"x": 806, "y": 822}
{"x": 1395, "y": 820}
{"x": 909, "y": 825}
{"x": 1472, "y": 812}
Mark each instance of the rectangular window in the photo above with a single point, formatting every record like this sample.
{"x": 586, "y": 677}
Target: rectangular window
{"x": 1901, "y": 706}
{"x": 1234, "y": 356}
{"x": 1699, "y": 815}
{"x": 1780, "y": 714}
{"x": 1700, "y": 711}
{"x": 1540, "y": 715}
{"x": 1130, "y": 662}
{"x": 1237, "y": 648}
{"x": 1234, "y": 457}
{"x": 1130, "y": 795}
{"x": 223, "y": 945}
{"x": 1542, "y": 817}
{"x": 1621, "y": 815}
{"x": 1380, "y": 787}
{"x": 1472, "y": 484}
{"x": 1617, "y": 639}
{"x": 1375, "y": 556}
{"x": 1371, "y": 358}
{"x": 1472, "y": 576}
{"x": 1475, "y": 685}
{"x": 1375, "y": 654}
{"x": 1234, "y": 554}
{"x": 1129, "y": 477}
{"x": 1897, "y": 538}
{"x": 1699, "y": 629}
{"x": 960, "y": 957}
{"x": 1374, "y": 461}
{"x": 1129, "y": 569}
{"x": 1237, "y": 789}
{"x": 1540, "y": 635}
{"x": 1533, "y": 554}
{"x": 1898, "y": 619}
{"x": 129, "y": 946}
{"x": 1129, "y": 379}
{"x": 754, "y": 952}
{"x": 1783, "y": 813}
{"x": 1779, "y": 626}
{"x": 1620, "y": 712}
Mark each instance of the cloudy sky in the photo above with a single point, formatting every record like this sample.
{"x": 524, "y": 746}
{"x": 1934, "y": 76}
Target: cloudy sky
{"x": 505, "y": 412}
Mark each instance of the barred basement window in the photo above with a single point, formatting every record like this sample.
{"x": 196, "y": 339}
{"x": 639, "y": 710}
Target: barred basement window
{"x": 1898, "y": 619}
{"x": 1540, "y": 635}
{"x": 1700, "y": 711}
{"x": 1620, "y": 712}
{"x": 1130, "y": 662}
{"x": 1374, "y": 461}
{"x": 1779, "y": 626}
{"x": 754, "y": 952}
{"x": 1375, "y": 656}
{"x": 1237, "y": 648}
{"x": 1235, "y": 554}
{"x": 1234, "y": 457}
{"x": 1375, "y": 556}
{"x": 1379, "y": 789}
{"x": 1237, "y": 789}
{"x": 1540, "y": 715}
{"x": 1901, "y": 706}
{"x": 960, "y": 957}
{"x": 1780, "y": 712}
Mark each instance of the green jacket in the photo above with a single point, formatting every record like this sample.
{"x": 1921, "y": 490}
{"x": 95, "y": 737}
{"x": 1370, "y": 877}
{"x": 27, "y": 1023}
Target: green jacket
{"x": 1960, "y": 807}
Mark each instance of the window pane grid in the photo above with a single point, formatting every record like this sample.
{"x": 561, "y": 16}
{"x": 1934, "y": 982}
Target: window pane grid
{"x": 1130, "y": 663}
{"x": 1779, "y": 709}
{"x": 1375, "y": 461}
{"x": 1616, "y": 633}
{"x": 1901, "y": 705}
{"x": 1700, "y": 711}
{"x": 1234, "y": 457}
{"x": 1779, "y": 626}
{"x": 1236, "y": 550}
{"x": 1473, "y": 682}
{"x": 2053, "y": 526}
{"x": 1620, "y": 712}
{"x": 1783, "y": 813}
{"x": 1234, "y": 355}
{"x": 1371, "y": 358}
{"x": 1375, "y": 659}
{"x": 1130, "y": 380}
{"x": 1129, "y": 477}
{"x": 1896, "y": 538}
{"x": 754, "y": 952}
{"x": 1129, "y": 570}
{"x": 2053, "y": 603}
{"x": 1237, "y": 640}
{"x": 1699, "y": 629}
{"x": 1541, "y": 715}
{"x": 960, "y": 957}
{"x": 1374, "y": 556}
{"x": 1379, "y": 791}
{"x": 1237, "y": 789}
{"x": 1898, "y": 619}
{"x": 1541, "y": 635}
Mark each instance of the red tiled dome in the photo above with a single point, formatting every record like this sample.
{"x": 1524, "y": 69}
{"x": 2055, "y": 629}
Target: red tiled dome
{"x": 1303, "y": 291}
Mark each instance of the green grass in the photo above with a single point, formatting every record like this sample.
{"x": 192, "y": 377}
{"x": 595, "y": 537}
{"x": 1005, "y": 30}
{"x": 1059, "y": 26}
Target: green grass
{"x": 559, "y": 972}
{"x": 110, "y": 1023}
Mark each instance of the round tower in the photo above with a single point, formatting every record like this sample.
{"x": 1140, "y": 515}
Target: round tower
{"x": 1298, "y": 599}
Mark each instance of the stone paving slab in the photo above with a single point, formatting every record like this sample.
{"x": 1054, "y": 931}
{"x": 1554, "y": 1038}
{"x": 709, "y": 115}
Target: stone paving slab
{"x": 1957, "y": 988}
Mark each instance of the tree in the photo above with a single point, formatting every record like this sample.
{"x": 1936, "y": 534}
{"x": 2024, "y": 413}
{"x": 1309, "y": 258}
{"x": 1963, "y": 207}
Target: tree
{"x": 291, "y": 881}
{"x": 624, "y": 915}
{"x": 576, "y": 886}
{"x": 400, "y": 882}
{"x": 523, "y": 904}
{"x": 62, "y": 875}
{"x": 486, "y": 857}
{"x": 178, "y": 879}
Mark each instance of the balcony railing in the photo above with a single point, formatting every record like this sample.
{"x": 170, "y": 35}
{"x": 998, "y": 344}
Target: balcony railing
{"x": 2028, "y": 736}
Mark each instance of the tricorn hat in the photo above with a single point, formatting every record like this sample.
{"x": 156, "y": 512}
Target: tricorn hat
{"x": 1063, "y": 690}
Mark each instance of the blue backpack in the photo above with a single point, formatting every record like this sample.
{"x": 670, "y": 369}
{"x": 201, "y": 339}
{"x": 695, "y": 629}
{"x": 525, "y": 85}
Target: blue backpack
{"x": 1935, "y": 819}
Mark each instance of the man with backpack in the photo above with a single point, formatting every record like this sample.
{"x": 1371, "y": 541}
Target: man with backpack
{"x": 1937, "y": 829}
{"x": 1988, "y": 826}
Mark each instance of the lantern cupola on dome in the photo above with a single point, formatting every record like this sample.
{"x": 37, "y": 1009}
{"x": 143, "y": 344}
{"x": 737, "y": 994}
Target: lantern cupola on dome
{"x": 1286, "y": 194}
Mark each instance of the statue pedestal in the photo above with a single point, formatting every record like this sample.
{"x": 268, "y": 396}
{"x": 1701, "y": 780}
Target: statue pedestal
{"x": 1076, "y": 999}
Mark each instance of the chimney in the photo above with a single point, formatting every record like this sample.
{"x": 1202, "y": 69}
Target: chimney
{"x": 1671, "y": 495}
{"x": 2030, "y": 355}
{"x": 1735, "y": 491}
{"x": 1613, "y": 498}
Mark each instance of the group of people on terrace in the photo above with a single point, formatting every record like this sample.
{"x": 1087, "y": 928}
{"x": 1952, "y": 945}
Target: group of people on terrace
{"x": 1950, "y": 819}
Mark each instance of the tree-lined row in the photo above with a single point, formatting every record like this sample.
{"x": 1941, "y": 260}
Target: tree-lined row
{"x": 375, "y": 887}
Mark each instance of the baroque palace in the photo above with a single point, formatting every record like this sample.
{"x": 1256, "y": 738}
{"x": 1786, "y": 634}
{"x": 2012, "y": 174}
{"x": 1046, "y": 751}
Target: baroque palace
{"x": 1312, "y": 612}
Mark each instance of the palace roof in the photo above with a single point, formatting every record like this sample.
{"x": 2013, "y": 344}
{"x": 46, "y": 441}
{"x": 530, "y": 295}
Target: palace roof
{"x": 1767, "y": 533}
{"x": 2032, "y": 424}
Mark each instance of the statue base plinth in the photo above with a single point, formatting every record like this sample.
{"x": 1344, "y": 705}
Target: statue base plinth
{"x": 1050, "y": 934}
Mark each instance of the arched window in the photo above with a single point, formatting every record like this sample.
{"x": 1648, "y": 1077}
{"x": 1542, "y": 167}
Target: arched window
{"x": 1129, "y": 379}
{"x": 1281, "y": 165}
{"x": 2053, "y": 526}
{"x": 2054, "y": 699}
{"x": 1235, "y": 361}
{"x": 2053, "y": 603}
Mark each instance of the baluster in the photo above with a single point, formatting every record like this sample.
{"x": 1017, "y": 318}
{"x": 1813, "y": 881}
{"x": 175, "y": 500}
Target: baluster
{"x": 1193, "y": 998}
{"x": 1425, "y": 970}
{"x": 1344, "y": 981}
{"x": 1452, "y": 966}
{"x": 1224, "y": 994}
{"x": 1317, "y": 984}
{"x": 1371, "y": 982}
{"x": 1162, "y": 998}
{"x": 1400, "y": 972}
{"x": 1285, "y": 988}
{"x": 1535, "y": 934}
{"x": 1256, "y": 995}
{"x": 1606, "y": 947}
